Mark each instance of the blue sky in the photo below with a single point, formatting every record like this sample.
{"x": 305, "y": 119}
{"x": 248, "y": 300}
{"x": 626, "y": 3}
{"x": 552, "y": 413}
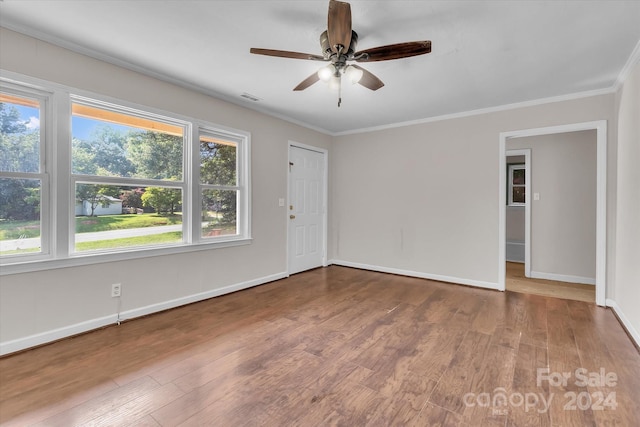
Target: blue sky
{"x": 30, "y": 114}
{"x": 82, "y": 127}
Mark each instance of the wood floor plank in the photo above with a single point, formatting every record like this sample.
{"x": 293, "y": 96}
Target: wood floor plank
{"x": 331, "y": 346}
{"x": 494, "y": 377}
{"x": 435, "y": 416}
{"x": 43, "y": 411}
{"x": 527, "y": 398}
{"x": 462, "y": 374}
{"x": 103, "y": 404}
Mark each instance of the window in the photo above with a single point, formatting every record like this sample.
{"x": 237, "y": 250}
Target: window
{"x": 127, "y": 175}
{"x": 22, "y": 175}
{"x": 124, "y": 180}
{"x": 517, "y": 185}
{"x": 218, "y": 184}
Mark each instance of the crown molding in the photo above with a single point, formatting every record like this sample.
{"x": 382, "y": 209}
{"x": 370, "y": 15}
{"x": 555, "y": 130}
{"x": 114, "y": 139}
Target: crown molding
{"x": 487, "y": 110}
{"x": 634, "y": 59}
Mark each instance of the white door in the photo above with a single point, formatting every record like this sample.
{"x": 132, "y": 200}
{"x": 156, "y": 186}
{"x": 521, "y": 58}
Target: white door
{"x": 307, "y": 209}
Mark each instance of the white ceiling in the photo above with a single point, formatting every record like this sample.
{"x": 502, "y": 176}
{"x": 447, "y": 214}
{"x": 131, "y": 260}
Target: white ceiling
{"x": 485, "y": 53}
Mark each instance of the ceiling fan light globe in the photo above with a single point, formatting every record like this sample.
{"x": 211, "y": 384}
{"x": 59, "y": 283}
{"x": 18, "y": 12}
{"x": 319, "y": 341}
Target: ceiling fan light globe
{"x": 334, "y": 84}
{"x": 325, "y": 73}
{"x": 353, "y": 74}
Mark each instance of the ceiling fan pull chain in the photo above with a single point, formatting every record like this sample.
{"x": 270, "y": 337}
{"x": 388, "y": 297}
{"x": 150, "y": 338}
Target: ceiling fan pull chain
{"x": 339, "y": 92}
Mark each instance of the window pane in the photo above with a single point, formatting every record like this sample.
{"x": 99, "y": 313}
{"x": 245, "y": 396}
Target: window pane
{"x": 19, "y": 216}
{"x": 518, "y": 177}
{"x": 19, "y": 134}
{"x": 217, "y": 161}
{"x": 219, "y": 212}
{"x": 107, "y": 143}
{"x": 518, "y": 195}
{"x": 112, "y": 217}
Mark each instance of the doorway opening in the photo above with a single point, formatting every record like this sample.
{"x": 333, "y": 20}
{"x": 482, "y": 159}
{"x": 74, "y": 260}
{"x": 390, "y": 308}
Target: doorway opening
{"x": 600, "y": 210}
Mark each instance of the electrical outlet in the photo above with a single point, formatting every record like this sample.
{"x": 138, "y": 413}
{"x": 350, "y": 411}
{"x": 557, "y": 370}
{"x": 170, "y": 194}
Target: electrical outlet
{"x": 116, "y": 290}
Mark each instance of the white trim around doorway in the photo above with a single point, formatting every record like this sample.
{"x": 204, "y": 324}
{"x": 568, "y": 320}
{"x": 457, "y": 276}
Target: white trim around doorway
{"x": 601, "y": 197}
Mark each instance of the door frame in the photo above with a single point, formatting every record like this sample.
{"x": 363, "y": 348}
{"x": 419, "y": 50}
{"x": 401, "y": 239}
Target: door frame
{"x": 600, "y": 126}
{"x": 325, "y": 193}
{"x": 526, "y": 152}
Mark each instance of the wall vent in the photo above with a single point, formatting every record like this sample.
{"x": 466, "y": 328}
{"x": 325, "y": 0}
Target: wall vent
{"x": 250, "y": 97}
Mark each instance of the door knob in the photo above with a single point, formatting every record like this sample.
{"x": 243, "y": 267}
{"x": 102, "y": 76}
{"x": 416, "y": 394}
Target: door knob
{"x": 292, "y": 217}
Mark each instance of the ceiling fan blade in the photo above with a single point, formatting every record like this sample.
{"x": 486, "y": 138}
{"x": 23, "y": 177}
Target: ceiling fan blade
{"x": 339, "y": 25}
{"x": 287, "y": 54}
{"x": 313, "y": 78}
{"x": 394, "y": 51}
{"x": 369, "y": 80}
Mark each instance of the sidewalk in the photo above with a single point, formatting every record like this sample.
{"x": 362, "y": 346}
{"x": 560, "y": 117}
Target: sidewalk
{"x": 10, "y": 245}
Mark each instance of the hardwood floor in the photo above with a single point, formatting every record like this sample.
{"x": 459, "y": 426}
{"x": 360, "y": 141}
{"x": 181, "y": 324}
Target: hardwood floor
{"x": 337, "y": 346}
{"x": 517, "y": 282}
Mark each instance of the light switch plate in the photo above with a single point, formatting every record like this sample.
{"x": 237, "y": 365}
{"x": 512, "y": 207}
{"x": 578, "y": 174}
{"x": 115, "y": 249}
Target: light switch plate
{"x": 536, "y": 196}
{"x": 281, "y": 202}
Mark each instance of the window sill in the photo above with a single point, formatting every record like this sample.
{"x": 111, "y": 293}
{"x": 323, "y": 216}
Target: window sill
{"x": 98, "y": 258}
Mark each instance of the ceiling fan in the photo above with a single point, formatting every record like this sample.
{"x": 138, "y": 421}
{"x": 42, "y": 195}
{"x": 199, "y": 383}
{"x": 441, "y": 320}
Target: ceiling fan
{"x": 338, "y": 45}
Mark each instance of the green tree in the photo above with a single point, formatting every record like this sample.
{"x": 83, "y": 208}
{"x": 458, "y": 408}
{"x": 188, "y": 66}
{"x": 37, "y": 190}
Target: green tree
{"x": 218, "y": 166}
{"x": 19, "y": 145}
{"x": 132, "y": 198}
{"x": 83, "y": 158}
{"x": 155, "y": 155}
{"x": 19, "y": 199}
{"x": 10, "y": 121}
{"x": 96, "y": 194}
{"x": 19, "y": 152}
{"x": 162, "y": 200}
{"x": 104, "y": 153}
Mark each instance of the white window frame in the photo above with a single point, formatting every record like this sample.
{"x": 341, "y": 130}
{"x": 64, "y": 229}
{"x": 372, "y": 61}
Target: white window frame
{"x": 58, "y": 195}
{"x": 242, "y": 181}
{"x": 182, "y": 185}
{"x": 44, "y": 173}
{"x": 511, "y": 185}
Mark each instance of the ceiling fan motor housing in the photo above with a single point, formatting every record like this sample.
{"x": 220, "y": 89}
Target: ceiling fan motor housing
{"x": 329, "y": 53}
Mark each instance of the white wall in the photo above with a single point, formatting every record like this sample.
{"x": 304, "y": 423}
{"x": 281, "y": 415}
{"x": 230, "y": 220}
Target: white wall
{"x": 626, "y": 293}
{"x": 515, "y": 224}
{"x": 38, "y": 305}
{"x": 563, "y": 221}
{"x": 423, "y": 199}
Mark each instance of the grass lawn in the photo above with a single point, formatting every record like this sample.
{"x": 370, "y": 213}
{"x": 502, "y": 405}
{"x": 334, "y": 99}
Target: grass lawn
{"x": 153, "y": 239}
{"x": 10, "y": 230}
{"x": 85, "y": 224}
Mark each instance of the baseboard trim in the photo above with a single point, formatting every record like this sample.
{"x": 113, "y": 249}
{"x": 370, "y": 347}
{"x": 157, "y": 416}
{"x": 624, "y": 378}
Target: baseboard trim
{"x": 35, "y": 340}
{"x": 515, "y": 251}
{"x": 419, "y": 274}
{"x": 626, "y": 323}
{"x": 563, "y": 278}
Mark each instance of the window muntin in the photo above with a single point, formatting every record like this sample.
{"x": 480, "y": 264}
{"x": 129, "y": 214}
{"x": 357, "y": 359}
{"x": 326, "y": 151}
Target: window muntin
{"x": 144, "y": 157}
{"x": 517, "y": 185}
{"x": 21, "y": 177}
